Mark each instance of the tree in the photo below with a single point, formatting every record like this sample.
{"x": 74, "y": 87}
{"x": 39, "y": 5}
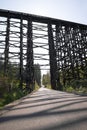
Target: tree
{"x": 46, "y": 79}
{"x": 37, "y": 74}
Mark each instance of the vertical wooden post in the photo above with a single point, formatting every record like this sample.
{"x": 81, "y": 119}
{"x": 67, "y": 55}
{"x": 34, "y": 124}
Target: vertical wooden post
{"x": 7, "y": 48}
{"x": 52, "y": 53}
{"x": 21, "y": 54}
{"x": 58, "y": 58}
{"x": 29, "y": 64}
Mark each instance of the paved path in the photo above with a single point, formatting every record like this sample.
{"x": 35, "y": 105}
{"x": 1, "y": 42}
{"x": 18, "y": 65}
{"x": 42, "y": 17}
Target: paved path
{"x": 47, "y": 110}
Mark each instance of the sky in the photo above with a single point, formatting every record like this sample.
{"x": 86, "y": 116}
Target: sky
{"x": 69, "y": 10}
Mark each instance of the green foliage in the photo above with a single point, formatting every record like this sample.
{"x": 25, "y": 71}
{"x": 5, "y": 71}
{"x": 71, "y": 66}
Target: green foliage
{"x": 4, "y": 85}
{"x": 36, "y": 86}
{"x": 76, "y": 86}
{"x": 37, "y": 74}
{"x": 48, "y": 86}
{"x": 1, "y": 103}
{"x": 79, "y": 83}
{"x": 8, "y": 97}
{"x": 15, "y": 94}
{"x": 12, "y": 96}
{"x": 67, "y": 74}
{"x": 46, "y": 79}
{"x": 69, "y": 89}
{"x": 10, "y": 84}
{"x": 10, "y": 90}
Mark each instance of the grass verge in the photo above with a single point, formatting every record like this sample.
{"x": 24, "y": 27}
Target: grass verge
{"x": 14, "y": 95}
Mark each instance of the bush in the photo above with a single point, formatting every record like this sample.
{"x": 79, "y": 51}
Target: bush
{"x": 48, "y": 86}
{"x": 36, "y": 86}
{"x": 69, "y": 89}
{"x": 8, "y": 98}
{"x": 12, "y": 96}
{"x": 4, "y": 86}
{"x": 76, "y": 84}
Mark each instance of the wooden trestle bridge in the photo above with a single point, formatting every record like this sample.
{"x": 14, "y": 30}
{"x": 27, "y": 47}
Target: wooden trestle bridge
{"x": 20, "y": 33}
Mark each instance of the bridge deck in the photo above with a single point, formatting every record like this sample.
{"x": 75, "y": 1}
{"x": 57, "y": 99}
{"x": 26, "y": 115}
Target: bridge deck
{"x": 37, "y": 18}
{"x": 47, "y": 110}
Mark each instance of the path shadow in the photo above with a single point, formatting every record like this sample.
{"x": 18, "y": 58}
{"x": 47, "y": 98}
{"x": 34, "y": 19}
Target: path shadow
{"x": 59, "y": 105}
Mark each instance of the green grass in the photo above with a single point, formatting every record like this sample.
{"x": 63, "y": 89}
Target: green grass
{"x": 78, "y": 90}
{"x": 14, "y": 95}
{"x": 69, "y": 89}
{"x": 1, "y": 103}
{"x": 48, "y": 86}
{"x": 36, "y": 86}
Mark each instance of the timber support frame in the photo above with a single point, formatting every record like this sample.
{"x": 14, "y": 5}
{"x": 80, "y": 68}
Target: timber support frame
{"x": 67, "y": 43}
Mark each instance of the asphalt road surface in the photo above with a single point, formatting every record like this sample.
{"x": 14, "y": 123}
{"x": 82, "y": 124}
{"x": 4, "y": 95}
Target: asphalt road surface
{"x": 47, "y": 110}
